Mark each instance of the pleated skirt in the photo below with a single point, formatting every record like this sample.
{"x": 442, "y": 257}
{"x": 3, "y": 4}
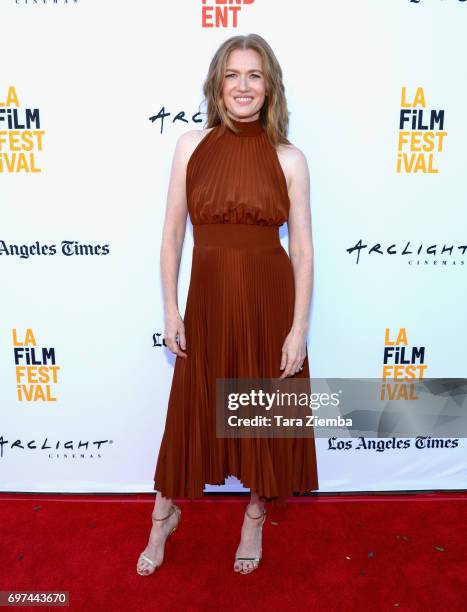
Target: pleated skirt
{"x": 238, "y": 313}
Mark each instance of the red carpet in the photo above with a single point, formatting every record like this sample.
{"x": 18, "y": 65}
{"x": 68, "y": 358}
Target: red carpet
{"x": 374, "y": 552}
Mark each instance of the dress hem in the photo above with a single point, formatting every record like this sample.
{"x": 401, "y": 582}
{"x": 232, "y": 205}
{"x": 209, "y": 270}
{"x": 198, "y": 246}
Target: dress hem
{"x": 277, "y": 500}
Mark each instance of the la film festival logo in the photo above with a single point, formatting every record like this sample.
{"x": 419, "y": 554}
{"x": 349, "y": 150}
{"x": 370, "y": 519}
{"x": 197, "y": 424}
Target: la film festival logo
{"x": 222, "y": 13}
{"x": 36, "y": 369}
{"x": 23, "y": 137}
{"x": 402, "y": 364}
{"x": 421, "y": 134}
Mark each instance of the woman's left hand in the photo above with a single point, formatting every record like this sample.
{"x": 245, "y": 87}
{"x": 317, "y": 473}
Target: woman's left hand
{"x": 293, "y": 353}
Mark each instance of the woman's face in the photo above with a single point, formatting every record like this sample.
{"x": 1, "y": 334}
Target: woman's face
{"x": 244, "y": 88}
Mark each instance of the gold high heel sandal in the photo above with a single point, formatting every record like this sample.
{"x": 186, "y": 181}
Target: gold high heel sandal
{"x": 144, "y": 557}
{"x": 253, "y": 559}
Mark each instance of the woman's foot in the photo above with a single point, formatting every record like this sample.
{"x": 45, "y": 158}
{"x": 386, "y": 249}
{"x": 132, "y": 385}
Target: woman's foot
{"x": 249, "y": 551}
{"x": 162, "y": 526}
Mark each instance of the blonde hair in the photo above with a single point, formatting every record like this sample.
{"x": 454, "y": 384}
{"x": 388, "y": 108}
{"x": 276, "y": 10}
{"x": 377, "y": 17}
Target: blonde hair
{"x": 274, "y": 116}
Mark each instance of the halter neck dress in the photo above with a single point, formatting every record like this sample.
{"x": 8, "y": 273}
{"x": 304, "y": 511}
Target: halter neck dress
{"x": 238, "y": 313}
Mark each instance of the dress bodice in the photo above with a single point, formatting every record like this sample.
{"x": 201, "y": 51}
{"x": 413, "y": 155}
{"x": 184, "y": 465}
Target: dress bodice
{"x": 236, "y": 178}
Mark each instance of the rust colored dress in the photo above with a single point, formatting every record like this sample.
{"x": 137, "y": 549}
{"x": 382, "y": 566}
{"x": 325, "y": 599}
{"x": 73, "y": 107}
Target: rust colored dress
{"x": 238, "y": 313}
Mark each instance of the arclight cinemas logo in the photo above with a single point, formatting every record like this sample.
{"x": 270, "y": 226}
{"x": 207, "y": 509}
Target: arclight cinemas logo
{"x": 415, "y": 254}
{"x": 52, "y": 448}
{"x": 422, "y": 1}
{"x": 45, "y": 2}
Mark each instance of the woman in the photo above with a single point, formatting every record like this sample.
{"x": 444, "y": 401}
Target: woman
{"x": 248, "y": 303}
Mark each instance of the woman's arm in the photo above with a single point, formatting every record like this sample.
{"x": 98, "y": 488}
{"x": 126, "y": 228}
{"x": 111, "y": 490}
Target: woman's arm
{"x": 301, "y": 256}
{"x": 173, "y": 235}
{"x": 300, "y": 239}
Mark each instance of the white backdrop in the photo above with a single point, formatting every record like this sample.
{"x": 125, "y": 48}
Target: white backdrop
{"x": 98, "y": 71}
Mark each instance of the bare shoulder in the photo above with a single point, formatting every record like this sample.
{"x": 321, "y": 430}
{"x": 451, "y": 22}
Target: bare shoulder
{"x": 293, "y": 161}
{"x": 291, "y": 154}
{"x": 188, "y": 141}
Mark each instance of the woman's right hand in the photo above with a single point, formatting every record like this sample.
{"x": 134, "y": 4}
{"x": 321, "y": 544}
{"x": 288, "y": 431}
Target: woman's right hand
{"x": 174, "y": 327}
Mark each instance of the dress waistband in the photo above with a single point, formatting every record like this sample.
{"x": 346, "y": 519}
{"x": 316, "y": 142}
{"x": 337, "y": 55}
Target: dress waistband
{"x": 240, "y": 235}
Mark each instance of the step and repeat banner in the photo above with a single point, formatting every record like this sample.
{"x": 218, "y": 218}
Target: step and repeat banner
{"x": 93, "y": 97}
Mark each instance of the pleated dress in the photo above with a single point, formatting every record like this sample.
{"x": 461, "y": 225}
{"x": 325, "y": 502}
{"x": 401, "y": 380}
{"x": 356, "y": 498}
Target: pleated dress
{"x": 239, "y": 310}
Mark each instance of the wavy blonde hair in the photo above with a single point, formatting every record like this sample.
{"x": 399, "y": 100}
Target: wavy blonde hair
{"x": 274, "y": 116}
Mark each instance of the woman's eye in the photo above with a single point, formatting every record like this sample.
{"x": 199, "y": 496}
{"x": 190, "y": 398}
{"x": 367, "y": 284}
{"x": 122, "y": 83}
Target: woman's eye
{"x": 232, "y": 74}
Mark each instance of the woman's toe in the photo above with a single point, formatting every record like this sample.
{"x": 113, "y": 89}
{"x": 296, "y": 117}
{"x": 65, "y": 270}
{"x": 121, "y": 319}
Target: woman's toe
{"x": 143, "y": 567}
